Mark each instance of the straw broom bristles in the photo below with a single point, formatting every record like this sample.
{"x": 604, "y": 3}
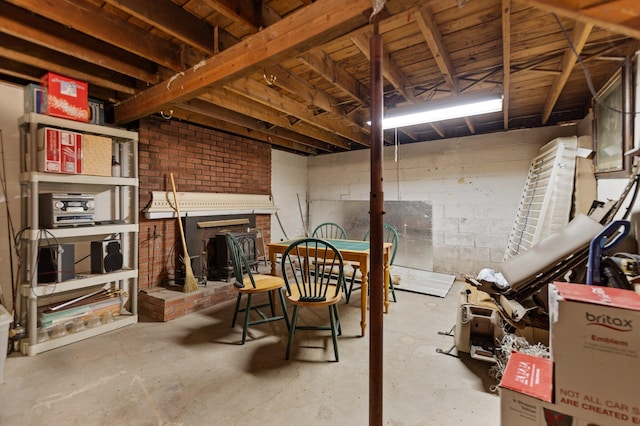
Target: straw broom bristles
{"x": 190, "y": 283}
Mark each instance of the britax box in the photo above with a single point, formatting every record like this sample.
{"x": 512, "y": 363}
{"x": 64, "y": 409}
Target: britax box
{"x": 65, "y": 97}
{"x": 59, "y": 151}
{"x": 595, "y": 345}
{"x": 526, "y": 392}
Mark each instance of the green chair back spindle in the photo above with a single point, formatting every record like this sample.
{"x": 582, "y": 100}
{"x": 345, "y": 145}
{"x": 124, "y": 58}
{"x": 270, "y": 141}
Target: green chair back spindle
{"x": 329, "y": 231}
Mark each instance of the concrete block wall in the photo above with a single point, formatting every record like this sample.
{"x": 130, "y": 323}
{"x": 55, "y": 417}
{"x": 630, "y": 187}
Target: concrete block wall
{"x": 289, "y": 189}
{"x": 474, "y": 185}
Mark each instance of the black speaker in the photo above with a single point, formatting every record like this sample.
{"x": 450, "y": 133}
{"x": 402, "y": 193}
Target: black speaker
{"x": 106, "y": 256}
{"x": 56, "y": 263}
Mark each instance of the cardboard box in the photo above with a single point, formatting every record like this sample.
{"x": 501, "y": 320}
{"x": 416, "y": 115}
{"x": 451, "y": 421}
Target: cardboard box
{"x": 96, "y": 155}
{"x": 59, "y": 151}
{"x": 65, "y": 97}
{"x": 32, "y": 98}
{"x": 526, "y": 392}
{"x": 595, "y": 345}
{"x": 96, "y": 112}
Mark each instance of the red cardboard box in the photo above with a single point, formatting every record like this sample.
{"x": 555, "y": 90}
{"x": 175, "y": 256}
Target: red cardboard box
{"x": 595, "y": 346}
{"x": 526, "y": 392}
{"x": 65, "y": 97}
{"x": 59, "y": 151}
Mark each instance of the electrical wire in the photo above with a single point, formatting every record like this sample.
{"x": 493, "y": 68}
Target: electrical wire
{"x": 587, "y": 74}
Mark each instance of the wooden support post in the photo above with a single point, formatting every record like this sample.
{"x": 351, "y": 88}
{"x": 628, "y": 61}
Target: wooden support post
{"x": 376, "y": 211}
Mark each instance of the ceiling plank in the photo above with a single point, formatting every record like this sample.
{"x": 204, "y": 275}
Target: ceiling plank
{"x": 269, "y": 97}
{"x": 171, "y": 19}
{"x": 261, "y": 112}
{"x": 313, "y": 24}
{"x": 506, "y": 61}
{"x": 618, "y": 21}
{"x": 92, "y": 20}
{"x": 580, "y": 35}
{"x": 27, "y": 26}
{"x": 243, "y": 12}
{"x": 194, "y": 117}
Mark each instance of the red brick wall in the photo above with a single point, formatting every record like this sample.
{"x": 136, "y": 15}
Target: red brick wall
{"x": 201, "y": 160}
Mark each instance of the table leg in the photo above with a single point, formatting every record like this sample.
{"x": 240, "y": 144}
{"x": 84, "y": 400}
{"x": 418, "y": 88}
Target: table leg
{"x": 364, "y": 294}
{"x": 272, "y": 259}
{"x": 387, "y": 278}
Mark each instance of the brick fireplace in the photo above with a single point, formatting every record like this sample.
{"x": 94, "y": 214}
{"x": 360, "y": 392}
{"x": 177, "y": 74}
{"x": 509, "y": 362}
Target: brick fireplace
{"x": 203, "y": 161}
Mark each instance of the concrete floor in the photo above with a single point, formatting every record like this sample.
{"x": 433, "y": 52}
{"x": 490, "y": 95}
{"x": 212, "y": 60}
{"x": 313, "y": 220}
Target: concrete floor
{"x": 192, "y": 371}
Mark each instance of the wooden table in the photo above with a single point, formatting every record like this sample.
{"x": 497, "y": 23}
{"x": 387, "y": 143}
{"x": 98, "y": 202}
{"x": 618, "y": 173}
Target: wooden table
{"x": 357, "y": 251}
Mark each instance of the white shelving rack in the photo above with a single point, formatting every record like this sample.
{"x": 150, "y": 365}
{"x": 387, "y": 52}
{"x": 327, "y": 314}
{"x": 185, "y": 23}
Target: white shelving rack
{"x": 121, "y": 194}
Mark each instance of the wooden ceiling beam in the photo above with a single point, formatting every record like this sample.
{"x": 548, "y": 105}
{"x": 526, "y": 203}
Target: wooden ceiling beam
{"x": 171, "y": 19}
{"x": 20, "y": 70}
{"x": 261, "y": 112}
{"x": 432, "y": 35}
{"x": 221, "y": 125}
{"x": 310, "y": 25}
{"x": 617, "y": 16}
{"x": 506, "y": 61}
{"x": 243, "y": 12}
{"x": 93, "y": 21}
{"x": 269, "y": 97}
{"x": 39, "y": 57}
{"x": 580, "y": 35}
{"x": 438, "y": 129}
{"x": 288, "y": 81}
{"x": 328, "y": 69}
{"x": 27, "y": 26}
{"x": 214, "y": 111}
{"x": 390, "y": 70}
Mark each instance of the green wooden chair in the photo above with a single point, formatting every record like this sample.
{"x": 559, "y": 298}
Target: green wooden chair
{"x": 390, "y": 235}
{"x": 308, "y": 287}
{"x": 250, "y": 284}
{"x": 329, "y": 231}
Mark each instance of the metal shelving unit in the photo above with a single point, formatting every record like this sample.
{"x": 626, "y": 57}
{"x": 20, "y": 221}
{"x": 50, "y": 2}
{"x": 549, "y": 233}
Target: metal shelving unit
{"x": 121, "y": 223}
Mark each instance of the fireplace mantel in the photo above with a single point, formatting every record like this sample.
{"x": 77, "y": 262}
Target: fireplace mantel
{"x": 207, "y": 204}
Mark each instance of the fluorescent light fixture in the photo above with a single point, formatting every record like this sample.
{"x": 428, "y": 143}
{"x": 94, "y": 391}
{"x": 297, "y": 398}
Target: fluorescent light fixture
{"x": 441, "y": 110}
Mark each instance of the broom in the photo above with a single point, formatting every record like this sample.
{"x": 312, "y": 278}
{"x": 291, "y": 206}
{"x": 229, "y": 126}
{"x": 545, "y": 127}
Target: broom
{"x": 190, "y": 283}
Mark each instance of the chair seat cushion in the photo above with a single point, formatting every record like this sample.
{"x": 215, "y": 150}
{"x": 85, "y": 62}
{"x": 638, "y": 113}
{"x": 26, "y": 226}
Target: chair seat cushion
{"x": 263, "y": 282}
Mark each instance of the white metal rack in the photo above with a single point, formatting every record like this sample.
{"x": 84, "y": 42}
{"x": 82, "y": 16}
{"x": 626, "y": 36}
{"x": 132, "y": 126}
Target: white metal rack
{"x": 123, "y": 208}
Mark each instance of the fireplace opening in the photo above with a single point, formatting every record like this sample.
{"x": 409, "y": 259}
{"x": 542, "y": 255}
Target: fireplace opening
{"x": 205, "y": 238}
{"x": 218, "y": 257}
